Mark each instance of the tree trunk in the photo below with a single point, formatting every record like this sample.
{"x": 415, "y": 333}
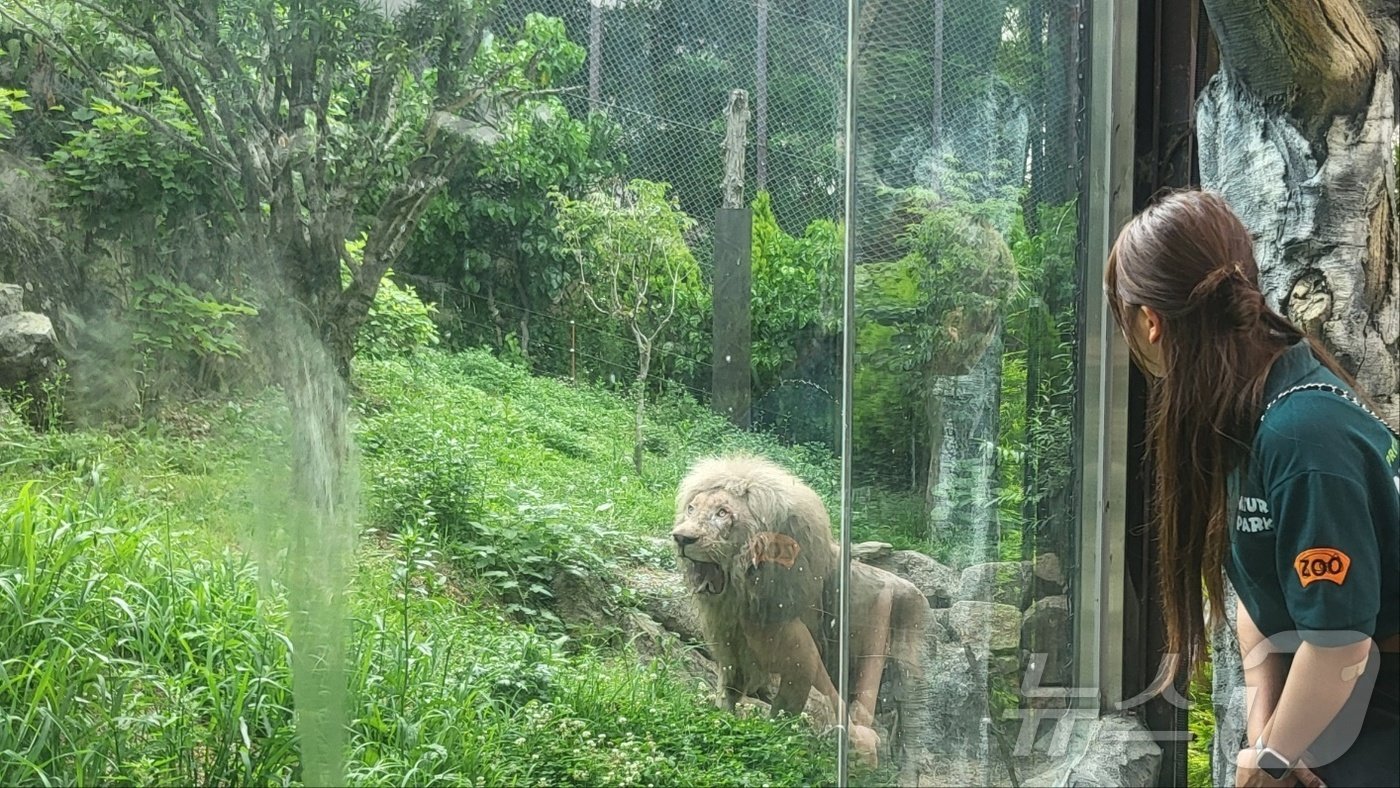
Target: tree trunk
{"x": 639, "y": 436}
{"x": 1298, "y": 132}
{"x": 933, "y": 422}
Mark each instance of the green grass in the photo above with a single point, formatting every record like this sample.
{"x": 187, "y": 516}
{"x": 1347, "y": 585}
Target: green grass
{"x": 1201, "y": 722}
{"x": 145, "y": 646}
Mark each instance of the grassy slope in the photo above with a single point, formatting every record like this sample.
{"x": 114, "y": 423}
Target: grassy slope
{"x": 144, "y": 646}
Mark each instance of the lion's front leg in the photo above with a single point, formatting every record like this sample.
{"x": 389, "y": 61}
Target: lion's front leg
{"x": 788, "y": 650}
{"x": 870, "y": 645}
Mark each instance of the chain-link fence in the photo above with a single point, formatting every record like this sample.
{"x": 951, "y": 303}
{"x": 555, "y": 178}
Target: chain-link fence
{"x": 663, "y": 71}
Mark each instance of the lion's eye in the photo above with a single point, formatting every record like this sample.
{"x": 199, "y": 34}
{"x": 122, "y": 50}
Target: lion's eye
{"x": 690, "y": 509}
{"x": 722, "y": 512}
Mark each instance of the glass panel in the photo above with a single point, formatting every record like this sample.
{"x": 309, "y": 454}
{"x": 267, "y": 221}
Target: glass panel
{"x": 968, "y": 272}
{"x": 407, "y": 319}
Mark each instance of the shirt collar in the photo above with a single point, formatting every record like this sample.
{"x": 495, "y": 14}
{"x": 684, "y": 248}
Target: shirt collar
{"x": 1296, "y": 365}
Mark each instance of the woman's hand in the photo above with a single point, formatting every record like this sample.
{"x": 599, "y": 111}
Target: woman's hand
{"x": 1249, "y": 775}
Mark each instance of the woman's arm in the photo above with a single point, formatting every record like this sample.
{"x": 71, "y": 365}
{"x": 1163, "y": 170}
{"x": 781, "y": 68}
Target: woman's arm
{"x": 1318, "y": 686}
{"x": 1264, "y": 674}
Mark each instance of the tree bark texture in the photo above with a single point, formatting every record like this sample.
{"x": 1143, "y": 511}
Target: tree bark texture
{"x": 1310, "y": 166}
{"x": 736, "y": 129}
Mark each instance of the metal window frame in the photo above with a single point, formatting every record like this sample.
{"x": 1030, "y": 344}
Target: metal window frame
{"x": 1104, "y": 362}
{"x": 848, "y": 373}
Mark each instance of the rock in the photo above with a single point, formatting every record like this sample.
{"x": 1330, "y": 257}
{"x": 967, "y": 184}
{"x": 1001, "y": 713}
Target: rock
{"x": 1100, "y": 752}
{"x": 1004, "y": 582}
{"x": 11, "y": 299}
{"x": 664, "y": 597}
{"x": 582, "y": 602}
{"x": 655, "y": 642}
{"x": 585, "y": 603}
{"x": 940, "y": 626}
{"x": 27, "y": 347}
{"x": 1048, "y": 575}
{"x": 957, "y": 700}
{"x": 869, "y": 551}
{"x": 938, "y": 583}
{"x": 986, "y": 626}
{"x": 1045, "y": 633}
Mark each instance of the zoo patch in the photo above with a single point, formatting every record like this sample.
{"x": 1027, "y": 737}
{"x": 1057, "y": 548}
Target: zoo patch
{"x": 770, "y": 546}
{"x": 1321, "y": 563}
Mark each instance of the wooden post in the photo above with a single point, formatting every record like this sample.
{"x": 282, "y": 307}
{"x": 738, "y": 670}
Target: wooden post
{"x": 595, "y": 54}
{"x": 731, "y": 381}
{"x": 760, "y": 100}
{"x": 736, "y": 129}
{"x": 573, "y": 354}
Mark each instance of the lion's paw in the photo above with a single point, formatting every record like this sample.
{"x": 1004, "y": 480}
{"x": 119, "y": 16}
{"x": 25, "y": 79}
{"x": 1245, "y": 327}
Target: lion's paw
{"x": 866, "y": 744}
{"x": 861, "y": 715}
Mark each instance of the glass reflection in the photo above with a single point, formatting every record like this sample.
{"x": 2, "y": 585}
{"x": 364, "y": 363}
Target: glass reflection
{"x": 966, "y": 298}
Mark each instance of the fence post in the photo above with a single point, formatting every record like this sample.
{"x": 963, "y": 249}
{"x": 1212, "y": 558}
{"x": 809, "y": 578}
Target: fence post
{"x": 731, "y": 382}
{"x": 595, "y": 54}
{"x": 573, "y": 354}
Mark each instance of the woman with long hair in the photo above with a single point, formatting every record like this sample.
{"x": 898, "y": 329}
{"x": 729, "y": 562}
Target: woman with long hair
{"x": 1271, "y": 468}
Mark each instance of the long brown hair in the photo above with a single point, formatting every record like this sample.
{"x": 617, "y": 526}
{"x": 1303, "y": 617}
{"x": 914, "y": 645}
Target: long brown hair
{"x": 1190, "y": 258}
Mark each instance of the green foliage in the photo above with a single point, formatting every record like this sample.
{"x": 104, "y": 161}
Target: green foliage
{"x": 1201, "y": 722}
{"x": 493, "y": 235}
{"x": 931, "y": 313}
{"x": 634, "y": 264}
{"x": 141, "y": 649}
{"x": 1039, "y": 382}
{"x": 399, "y": 321}
{"x": 171, "y": 318}
{"x": 796, "y": 289}
{"x": 122, "y": 176}
{"x": 11, "y": 101}
{"x": 181, "y": 337}
{"x": 635, "y": 268}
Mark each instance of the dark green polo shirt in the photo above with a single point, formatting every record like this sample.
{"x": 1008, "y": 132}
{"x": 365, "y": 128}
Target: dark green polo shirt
{"x": 1315, "y": 543}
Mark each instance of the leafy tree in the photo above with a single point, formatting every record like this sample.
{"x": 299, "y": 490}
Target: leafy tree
{"x": 634, "y": 267}
{"x": 303, "y": 109}
{"x": 493, "y": 231}
{"x": 399, "y": 321}
{"x": 796, "y": 291}
{"x": 933, "y": 312}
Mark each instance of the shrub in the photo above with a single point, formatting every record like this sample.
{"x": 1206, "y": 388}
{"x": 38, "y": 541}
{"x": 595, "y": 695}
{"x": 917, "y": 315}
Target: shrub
{"x": 399, "y": 322}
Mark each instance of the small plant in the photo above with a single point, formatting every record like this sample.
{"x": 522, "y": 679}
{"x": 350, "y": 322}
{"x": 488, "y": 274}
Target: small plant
{"x": 181, "y": 334}
{"x": 634, "y": 267}
{"x": 11, "y": 101}
{"x": 1201, "y": 722}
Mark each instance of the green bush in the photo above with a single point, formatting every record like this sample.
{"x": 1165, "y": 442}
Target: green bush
{"x": 796, "y": 290}
{"x": 1201, "y": 723}
{"x": 399, "y": 322}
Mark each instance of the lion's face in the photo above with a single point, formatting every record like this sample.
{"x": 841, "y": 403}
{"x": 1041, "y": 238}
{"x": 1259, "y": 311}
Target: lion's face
{"x": 709, "y": 532}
